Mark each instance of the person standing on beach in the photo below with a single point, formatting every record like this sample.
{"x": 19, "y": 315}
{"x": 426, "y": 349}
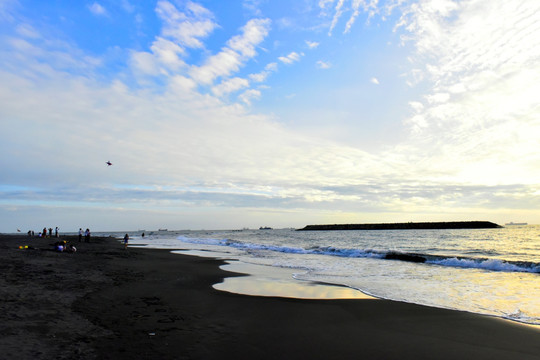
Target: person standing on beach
{"x": 50, "y": 232}
{"x": 126, "y": 239}
{"x": 80, "y": 234}
{"x": 87, "y": 235}
{"x": 44, "y": 232}
{"x": 56, "y": 232}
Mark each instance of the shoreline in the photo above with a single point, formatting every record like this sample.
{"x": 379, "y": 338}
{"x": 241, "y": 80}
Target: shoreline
{"x": 104, "y": 302}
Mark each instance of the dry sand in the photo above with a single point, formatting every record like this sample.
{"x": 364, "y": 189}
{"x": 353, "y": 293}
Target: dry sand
{"x": 104, "y": 302}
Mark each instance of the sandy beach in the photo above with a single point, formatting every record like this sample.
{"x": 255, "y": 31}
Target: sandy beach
{"x": 104, "y": 302}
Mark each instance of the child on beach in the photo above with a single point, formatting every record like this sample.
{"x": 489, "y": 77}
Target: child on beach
{"x": 126, "y": 239}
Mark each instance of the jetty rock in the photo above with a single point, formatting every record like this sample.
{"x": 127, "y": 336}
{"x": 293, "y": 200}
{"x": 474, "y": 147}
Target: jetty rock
{"x": 406, "y": 226}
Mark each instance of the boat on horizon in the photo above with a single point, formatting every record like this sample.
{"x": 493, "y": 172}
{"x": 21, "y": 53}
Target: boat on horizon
{"x": 265, "y": 228}
{"x": 163, "y": 230}
{"x": 511, "y": 223}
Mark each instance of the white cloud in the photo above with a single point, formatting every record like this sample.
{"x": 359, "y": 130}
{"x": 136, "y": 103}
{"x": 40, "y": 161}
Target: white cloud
{"x": 222, "y": 64}
{"x": 312, "y": 44}
{"x": 229, "y": 86}
{"x": 355, "y": 7}
{"x": 250, "y": 95}
{"x": 291, "y": 58}
{"x": 168, "y": 53}
{"x": 323, "y": 64}
{"x": 187, "y": 28}
{"x": 180, "y": 30}
{"x": 97, "y": 9}
{"x": 416, "y": 106}
{"x": 145, "y": 63}
{"x": 337, "y": 15}
{"x": 253, "y": 33}
{"x": 253, "y": 6}
{"x": 479, "y": 112}
{"x": 261, "y": 76}
{"x": 437, "y": 98}
{"x": 324, "y": 3}
{"x": 271, "y": 67}
{"x": 353, "y": 17}
{"x": 371, "y": 7}
{"x": 239, "y": 50}
{"x": 374, "y": 80}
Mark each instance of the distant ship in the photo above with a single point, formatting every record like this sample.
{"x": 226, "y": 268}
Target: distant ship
{"x": 515, "y": 224}
{"x": 265, "y": 228}
{"x": 162, "y": 230}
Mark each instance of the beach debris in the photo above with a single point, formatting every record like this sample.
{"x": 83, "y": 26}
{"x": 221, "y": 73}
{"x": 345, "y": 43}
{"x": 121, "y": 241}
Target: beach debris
{"x": 108, "y": 163}
{"x": 152, "y": 333}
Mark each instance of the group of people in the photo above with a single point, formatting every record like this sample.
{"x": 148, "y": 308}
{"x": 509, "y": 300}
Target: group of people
{"x": 63, "y": 246}
{"x": 86, "y": 234}
{"x": 45, "y": 233}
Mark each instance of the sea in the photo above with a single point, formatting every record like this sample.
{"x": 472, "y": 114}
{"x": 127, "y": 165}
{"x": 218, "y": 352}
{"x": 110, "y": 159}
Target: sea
{"x": 493, "y": 272}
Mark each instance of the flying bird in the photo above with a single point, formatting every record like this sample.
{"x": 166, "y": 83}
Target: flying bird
{"x": 108, "y": 163}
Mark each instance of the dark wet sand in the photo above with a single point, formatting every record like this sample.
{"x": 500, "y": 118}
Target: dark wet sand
{"x": 104, "y": 302}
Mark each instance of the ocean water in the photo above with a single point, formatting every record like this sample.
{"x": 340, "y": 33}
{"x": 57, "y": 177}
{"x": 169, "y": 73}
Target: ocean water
{"x": 486, "y": 271}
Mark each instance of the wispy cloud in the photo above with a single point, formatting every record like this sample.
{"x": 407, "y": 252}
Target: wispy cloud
{"x": 27, "y": 31}
{"x": 355, "y": 8}
{"x": 261, "y": 76}
{"x": 248, "y": 96}
{"x": 323, "y": 64}
{"x": 253, "y": 6}
{"x": 337, "y": 14}
{"x": 230, "y": 85}
{"x": 473, "y": 80}
{"x": 239, "y": 50}
{"x": 291, "y": 58}
{"x": 312, "y": 44}
{"x": 187, "y": 28}
{"x": 97, "y": 9}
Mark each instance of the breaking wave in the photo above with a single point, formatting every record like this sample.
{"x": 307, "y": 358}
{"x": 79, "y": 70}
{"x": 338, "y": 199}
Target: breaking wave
{"x": 488, "y": 264}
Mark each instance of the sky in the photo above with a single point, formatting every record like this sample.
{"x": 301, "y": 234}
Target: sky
{"x": 248, "y": 113}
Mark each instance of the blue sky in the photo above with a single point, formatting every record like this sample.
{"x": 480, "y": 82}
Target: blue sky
{"x": 247, "y": 113}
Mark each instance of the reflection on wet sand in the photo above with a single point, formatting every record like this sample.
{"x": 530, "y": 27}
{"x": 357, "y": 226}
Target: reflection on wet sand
{"x": 271, "y": 281}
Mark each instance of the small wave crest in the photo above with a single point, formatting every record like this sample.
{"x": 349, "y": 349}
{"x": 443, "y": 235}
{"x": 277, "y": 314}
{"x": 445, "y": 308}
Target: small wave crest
{"x": 488, "y": 264}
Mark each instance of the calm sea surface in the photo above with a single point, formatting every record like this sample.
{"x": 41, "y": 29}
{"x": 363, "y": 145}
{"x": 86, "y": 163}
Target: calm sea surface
{"x": 492, "y": 271}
